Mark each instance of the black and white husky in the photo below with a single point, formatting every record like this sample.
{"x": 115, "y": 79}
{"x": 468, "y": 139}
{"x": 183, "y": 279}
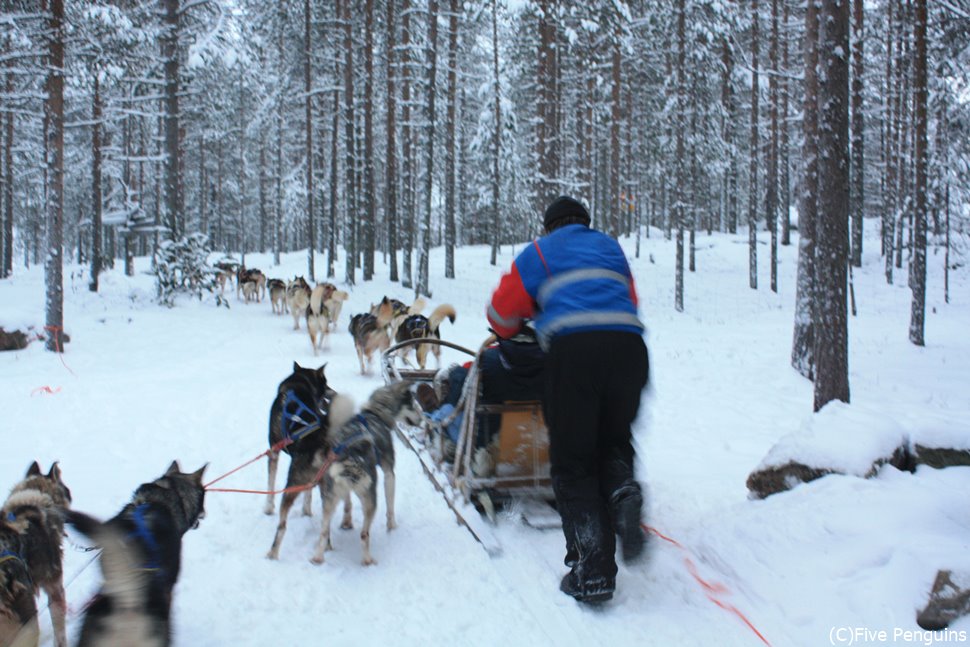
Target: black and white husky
{"x": 358, "y": 447}
{"x": 140, "y": 560}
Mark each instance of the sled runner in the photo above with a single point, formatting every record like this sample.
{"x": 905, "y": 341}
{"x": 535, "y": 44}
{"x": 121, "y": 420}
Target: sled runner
{"x": 500, "y": 458}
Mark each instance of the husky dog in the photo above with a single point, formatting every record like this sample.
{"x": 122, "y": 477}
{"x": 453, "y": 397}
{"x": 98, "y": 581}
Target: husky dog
{"x": 277, "y": 295}
{"x": 297, "y": 299}
{"x": 18, "y": 608}
{"x": 140, "y": 560}
{"x": 317, "y": 315}
{"x": 250, "y": 290}
{"x": 370, "y": 332}
{"x": 244, "y": 276}
{"x": 359, "y": 446}
{"x": 334, "y": 304}
{"x": 33, "y": 512}
{"x": 421, "y": 327}
{"x": 304, "y": 409}
{"x": 225, "y": 273}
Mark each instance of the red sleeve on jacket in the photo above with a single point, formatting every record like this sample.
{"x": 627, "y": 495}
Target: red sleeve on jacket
{"x": 510, "y": 304}
{"x": 633, "y": 292}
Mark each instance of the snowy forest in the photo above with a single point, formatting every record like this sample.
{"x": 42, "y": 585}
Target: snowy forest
{"x": 388, "y": 127}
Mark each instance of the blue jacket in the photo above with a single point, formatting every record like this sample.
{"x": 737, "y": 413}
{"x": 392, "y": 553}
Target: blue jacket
{"x": 575, "y": 279}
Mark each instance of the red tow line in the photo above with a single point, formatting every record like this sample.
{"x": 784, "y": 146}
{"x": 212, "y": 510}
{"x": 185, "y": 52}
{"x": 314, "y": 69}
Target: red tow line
{"x": 713, "y": 590}
{"x": 331, "y": 457}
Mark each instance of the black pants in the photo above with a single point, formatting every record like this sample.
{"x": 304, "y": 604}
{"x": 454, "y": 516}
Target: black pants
{"x": 593, "y": 386}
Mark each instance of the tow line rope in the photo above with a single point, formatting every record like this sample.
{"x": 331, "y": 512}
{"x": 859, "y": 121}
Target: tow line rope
{"x": 713, "y": 590}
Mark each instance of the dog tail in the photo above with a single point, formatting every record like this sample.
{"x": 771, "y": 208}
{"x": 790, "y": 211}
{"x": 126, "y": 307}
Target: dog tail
{"x": 439, "y": 314}
{"x": 342, "y": 409}
{"x": 339, "y": 295}
{"x": 418, "y": 305}
{"x": 125, "y": 580}
{"x": 316, "y": 299}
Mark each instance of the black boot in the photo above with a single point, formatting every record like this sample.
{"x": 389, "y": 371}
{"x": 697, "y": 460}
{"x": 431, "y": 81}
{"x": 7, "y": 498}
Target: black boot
{"x": 588, "y": 589}
{"x": 625, "y": 506}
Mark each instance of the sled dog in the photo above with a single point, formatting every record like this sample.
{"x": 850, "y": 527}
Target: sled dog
{"x": 370, "y": 332}
{"x": 303, "y": 410}
{"x": 31, "y": 559}
{"x": 420, "y": 327}
{"x": 334, "y": 304}
{"x": 297, "y": 299}
{"x": 359, "y": 446}
{"x": 277, "y": 295}
{"x": 140, "y": 560}
{"x": 244, "y": 276}
{"x": 318, "y": 317}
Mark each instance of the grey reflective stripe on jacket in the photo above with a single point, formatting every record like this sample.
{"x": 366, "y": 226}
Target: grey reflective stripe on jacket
{"x": 512, "y": 322}
{"x": 583, "y": 319}
{"x": 573, "y": 276}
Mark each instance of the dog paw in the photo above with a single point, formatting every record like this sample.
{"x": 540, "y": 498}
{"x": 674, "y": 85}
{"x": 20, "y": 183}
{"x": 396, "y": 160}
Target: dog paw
{"x": 391, "y": 525}
{"x": 347, "y": 525}
{"x": 272, "y": 554}
{"x": 316, "y": 560}
{"x": 368, "y": 561}
{"x": 269, "y": 510}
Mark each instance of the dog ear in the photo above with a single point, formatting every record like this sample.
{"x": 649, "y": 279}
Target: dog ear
{"x": 55, "y": 473}
{"x": 34, "y": 469}
{"x": 197, "y": 475}
{"x": 173, "y": 469}
{"x": 320, "y": 372}
{"x": 296, "y": 367}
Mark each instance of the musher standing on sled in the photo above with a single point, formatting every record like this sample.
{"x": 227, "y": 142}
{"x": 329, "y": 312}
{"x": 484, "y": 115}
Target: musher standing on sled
{"x": 576, "y": 285}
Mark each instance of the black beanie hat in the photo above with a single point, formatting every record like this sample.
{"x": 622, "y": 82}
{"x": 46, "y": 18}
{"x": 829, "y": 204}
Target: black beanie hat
{"x": 564, "y": 207}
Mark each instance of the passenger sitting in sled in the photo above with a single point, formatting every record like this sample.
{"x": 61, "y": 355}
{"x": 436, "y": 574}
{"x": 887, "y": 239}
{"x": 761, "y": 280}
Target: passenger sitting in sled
{"x": 511, "y": 370}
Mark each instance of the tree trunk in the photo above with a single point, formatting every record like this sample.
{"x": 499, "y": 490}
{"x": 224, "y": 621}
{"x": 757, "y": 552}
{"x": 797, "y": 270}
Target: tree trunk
{"x": 350, "y": 238}
{"x": 424, "y": 247}
{"x": 680, "y": 161}
{"x": 803, "y": 342}
{"x": 407, "y": 148}
{"x": 391, "y": 162}
{"x": 918, "y": 267}
{"x": 278, "y": 229}
{"x": 616, "y": 115}
{"x": 858, "y": 135}
{"x": 97, "y": 204}
{"x": 334, "y": 188}
{"x": 496, "y": 231}
{"x": 785, "y": 179}
{"x": 832, "y": 236}
{"x": 308, "y": 138}
{"x": 889, "y": 188}
{"x": 755, "y": 149}
{"x": 6, "y": 270}
{"x": 173, "y": 153}
{"x": 451, "y": 145}
{"x": 54, "y": 118}
{"x": 369, "y": 212}
{"x": 771, "y": 201}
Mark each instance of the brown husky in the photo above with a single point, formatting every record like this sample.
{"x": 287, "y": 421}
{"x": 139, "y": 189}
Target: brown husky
{"x": 33, "y": 514}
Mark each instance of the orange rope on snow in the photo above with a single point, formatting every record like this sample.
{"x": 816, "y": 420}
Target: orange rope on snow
{"x": 45, "y": 390}
{"x": 712, "y": 589}
{"x": 57, "y": 346}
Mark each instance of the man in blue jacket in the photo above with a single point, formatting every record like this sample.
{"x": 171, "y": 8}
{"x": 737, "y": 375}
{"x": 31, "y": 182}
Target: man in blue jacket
{"x": 576, "y": 286}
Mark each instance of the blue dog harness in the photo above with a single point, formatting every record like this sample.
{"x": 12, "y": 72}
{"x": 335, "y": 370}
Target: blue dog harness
{"x": 143, "y": 533}
{"x": 294, "y": 426}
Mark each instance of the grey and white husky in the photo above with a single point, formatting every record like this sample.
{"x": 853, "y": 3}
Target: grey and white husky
{"x": 140, "y": 560}
{"x": 358, "y": 447}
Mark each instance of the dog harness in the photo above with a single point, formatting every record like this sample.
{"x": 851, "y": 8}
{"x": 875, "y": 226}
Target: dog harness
{"x": 365, "y": 432}
{"x": 143, "y": 533}
{"x": 293, "y": 410}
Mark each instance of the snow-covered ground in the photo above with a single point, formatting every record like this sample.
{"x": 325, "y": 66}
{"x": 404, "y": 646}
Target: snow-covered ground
{"x": 141, "y": 385}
